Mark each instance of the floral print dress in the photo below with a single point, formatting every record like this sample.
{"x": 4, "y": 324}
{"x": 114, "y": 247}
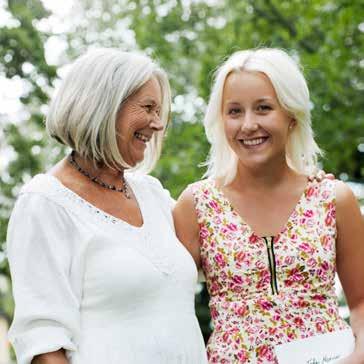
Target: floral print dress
{"x": 266, "y": 291}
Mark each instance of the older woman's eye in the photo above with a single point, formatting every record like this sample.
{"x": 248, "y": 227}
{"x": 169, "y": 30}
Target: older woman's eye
{"x": 148, "y": 108}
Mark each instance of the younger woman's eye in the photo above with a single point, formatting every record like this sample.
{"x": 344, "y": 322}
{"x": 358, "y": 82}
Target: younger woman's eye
{"x": 234, "y": 111}
{"x": 264, "y": 108}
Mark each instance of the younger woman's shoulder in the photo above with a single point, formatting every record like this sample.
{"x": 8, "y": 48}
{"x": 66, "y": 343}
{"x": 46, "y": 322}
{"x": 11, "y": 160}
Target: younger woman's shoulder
{"x": 322, "y": 190}
{"x": 348, "y": 213}
{"x": 200, "y": 185}
{"x": 337, "y": 187}
{"x": 337, "y": 190}
{"x": 344, "y": 194}
{"x": 195, "y": 192}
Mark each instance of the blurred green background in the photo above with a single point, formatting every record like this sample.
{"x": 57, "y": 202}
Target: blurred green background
{"x": 189, "y": 39}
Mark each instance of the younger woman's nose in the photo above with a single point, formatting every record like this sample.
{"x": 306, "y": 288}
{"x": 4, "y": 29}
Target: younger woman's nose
{"x": 249, "y": 123}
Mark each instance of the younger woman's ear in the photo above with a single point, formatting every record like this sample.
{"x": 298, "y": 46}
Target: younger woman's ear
{"x": 292, "y": 124}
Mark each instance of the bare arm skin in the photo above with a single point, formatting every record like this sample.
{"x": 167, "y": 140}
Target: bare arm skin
{"x": 56, "y": 357}
{"x": 185, "y": 221}
{"x": 350, "y": 264}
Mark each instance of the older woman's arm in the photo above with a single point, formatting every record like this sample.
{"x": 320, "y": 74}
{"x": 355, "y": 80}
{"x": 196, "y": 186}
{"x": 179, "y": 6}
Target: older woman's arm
{"x": 41, "y": 247}
{"x": 350, "y": 258}
{"x": 56, "y": 357}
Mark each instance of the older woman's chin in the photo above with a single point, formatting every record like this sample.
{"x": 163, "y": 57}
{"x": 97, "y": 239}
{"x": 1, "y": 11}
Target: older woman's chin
{"x": 134, "y": 159}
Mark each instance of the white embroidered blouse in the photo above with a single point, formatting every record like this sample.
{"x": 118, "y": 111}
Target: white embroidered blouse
{"x": 106, "y": 291}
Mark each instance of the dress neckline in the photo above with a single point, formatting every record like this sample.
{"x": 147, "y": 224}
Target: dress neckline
{"x": 103, "y": 214}
{"x": 242, "y": 220}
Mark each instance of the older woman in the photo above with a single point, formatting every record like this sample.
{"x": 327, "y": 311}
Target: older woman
{"x": 98, "y": 273}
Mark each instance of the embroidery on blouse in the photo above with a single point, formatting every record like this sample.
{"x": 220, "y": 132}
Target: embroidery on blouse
{"x": 157, "y": 255}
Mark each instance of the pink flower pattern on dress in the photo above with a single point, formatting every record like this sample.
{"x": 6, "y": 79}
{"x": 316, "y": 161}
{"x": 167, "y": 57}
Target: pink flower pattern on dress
{"x": 248, "y": 317}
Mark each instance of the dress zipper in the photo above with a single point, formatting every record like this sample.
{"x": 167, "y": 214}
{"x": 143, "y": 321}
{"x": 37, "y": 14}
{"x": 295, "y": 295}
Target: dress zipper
{"x": 272, "y": 263}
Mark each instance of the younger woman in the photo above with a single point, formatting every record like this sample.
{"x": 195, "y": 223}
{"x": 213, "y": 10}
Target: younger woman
{"x": 269, "y": 241}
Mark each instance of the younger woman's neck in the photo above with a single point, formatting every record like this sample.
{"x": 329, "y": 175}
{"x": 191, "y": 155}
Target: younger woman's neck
{"x": 262, "y": 178}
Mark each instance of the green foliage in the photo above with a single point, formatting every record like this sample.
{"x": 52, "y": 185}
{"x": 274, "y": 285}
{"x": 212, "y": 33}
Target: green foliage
{"x": 21, "y": 45}
{"x": 191, "y": 40}
{"x": 184, "y": 146}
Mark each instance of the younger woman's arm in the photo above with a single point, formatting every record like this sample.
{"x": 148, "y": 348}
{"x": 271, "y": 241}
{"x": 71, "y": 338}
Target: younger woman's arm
{"x": 185, "y": 221}
{"x": 350, "y": 263}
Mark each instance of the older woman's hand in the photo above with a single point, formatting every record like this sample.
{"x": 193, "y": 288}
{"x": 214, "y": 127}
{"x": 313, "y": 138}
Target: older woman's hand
{"x": 56, "y": 357}
{"x": 320, "y": 175}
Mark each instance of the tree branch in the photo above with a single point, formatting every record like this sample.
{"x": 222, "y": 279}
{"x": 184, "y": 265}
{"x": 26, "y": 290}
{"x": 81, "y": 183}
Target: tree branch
{"x": 276, "y": 17}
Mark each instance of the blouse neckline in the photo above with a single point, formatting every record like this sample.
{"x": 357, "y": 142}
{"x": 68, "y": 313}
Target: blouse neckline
{"x": 101, "y": 213}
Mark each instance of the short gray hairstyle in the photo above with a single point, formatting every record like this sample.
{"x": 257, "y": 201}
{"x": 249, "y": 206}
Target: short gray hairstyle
{"x": 293, "y": 95}
{"x": 85, "y": 109}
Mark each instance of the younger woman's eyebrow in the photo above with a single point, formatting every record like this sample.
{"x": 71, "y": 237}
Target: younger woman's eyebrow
{"x": 267, "y": 98}
{"x": 262, "y": 99}
{"x": 230, "y": 102}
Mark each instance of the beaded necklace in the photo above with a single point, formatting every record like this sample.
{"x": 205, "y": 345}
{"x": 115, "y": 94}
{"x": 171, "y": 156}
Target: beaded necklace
{"x": 124, "y": 189}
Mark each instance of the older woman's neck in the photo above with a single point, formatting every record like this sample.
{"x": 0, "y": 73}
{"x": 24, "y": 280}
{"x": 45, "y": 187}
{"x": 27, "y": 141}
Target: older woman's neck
{"x": 105, "y": 173}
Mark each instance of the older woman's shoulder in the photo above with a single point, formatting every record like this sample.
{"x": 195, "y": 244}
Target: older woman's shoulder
{"x": 40, "y": 194}
{"x": 144, "y": 181}
{"x": 150, "y": 185}
{"x": 46, "y": 194}
{"x": 41, "y": 183}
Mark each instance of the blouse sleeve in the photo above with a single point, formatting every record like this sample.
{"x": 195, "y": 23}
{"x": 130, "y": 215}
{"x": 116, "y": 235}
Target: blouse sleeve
{"x": 39, "y": 247}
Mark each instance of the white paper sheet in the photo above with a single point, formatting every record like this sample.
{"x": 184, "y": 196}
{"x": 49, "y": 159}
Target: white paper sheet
{"x": 321, "y": 349}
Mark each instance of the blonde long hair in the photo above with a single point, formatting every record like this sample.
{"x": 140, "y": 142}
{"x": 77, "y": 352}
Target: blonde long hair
{"x": 293, "y": 95}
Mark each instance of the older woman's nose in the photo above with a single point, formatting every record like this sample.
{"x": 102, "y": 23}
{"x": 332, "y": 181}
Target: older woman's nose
{"x": 156, "y": 123}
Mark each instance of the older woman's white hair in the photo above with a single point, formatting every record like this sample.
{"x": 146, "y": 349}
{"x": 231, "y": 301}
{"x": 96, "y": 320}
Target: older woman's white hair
{"x": 293, "y": 95}
{"x": 84, "y": 112}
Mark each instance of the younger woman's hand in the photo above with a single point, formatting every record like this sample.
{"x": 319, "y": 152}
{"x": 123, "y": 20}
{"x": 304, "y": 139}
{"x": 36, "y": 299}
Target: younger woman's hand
{"x": 353, "y": 358}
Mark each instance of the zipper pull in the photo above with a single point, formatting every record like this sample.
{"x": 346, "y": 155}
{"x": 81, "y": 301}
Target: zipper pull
{"x": 272, "y": 263}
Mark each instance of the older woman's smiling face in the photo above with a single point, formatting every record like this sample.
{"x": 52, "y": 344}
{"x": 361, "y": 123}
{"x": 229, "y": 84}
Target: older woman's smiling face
{"x": 138, "y": 119}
